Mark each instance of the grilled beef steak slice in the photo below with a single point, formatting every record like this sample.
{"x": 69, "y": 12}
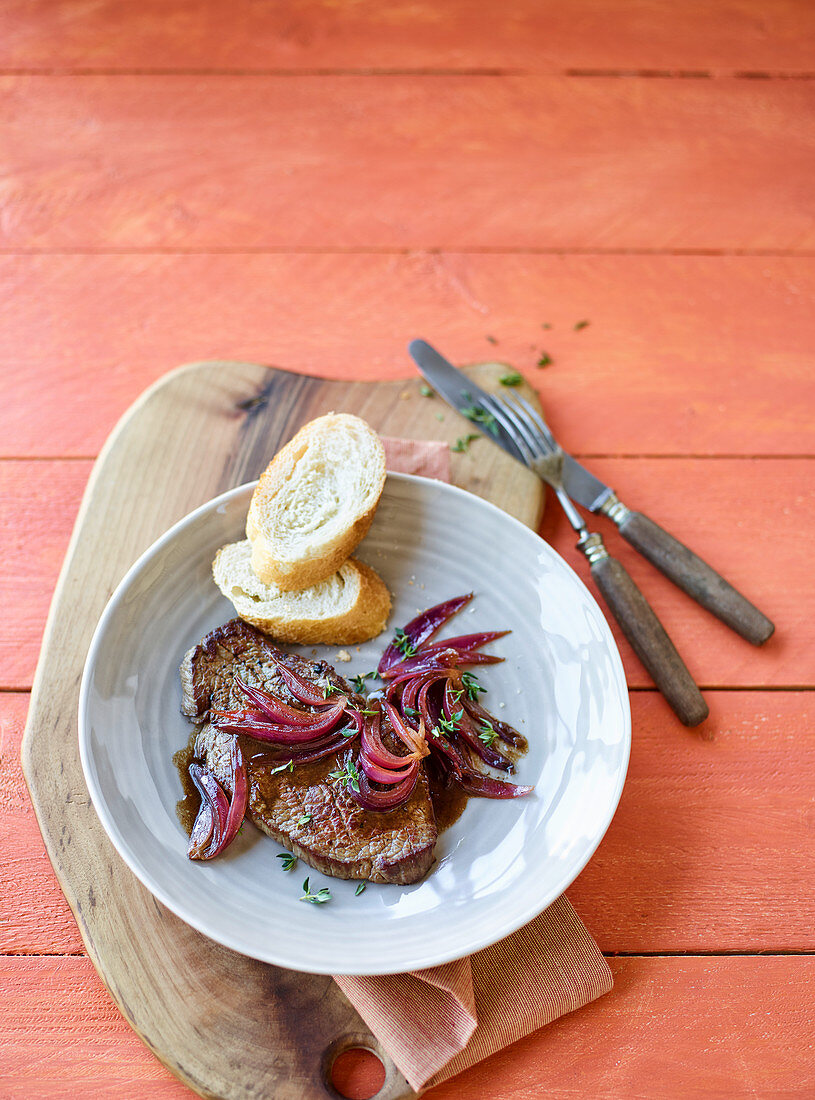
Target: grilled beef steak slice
{"x": 341, "y": 838}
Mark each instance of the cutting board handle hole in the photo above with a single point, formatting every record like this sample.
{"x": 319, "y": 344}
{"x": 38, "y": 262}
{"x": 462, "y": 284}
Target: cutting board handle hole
{"x": 354, "y": 1068}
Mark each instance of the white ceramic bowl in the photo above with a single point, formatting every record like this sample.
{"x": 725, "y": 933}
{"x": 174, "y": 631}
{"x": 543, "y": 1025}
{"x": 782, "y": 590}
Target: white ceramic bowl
{"x": 502, "y": 863}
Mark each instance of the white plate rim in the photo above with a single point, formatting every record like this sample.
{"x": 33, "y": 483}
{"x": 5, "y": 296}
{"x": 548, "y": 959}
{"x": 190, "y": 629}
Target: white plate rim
{"x": 431, "y": 958}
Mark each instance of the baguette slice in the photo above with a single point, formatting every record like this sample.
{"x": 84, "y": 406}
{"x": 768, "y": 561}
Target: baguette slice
{"x": 315, "y": 501}
{"x": 351, "y": 606}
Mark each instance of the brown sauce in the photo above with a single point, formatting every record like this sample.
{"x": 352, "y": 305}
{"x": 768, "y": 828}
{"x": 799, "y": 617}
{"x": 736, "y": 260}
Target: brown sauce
{"x": 187, "y": 808}
{"x": 448, "y": 804}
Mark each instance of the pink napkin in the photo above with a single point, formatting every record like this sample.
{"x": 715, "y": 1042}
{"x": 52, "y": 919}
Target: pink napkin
{"x": 434, "y": 1023}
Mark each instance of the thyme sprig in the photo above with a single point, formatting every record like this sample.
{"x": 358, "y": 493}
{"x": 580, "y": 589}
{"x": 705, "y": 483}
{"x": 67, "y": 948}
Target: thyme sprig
{"x": 287, "y": 861}
{"x": 462, "y": 444}
{"x": 471, "y": 685}
{"x": 348, "y": 775}
{"x": 402, "y": 643}
{"x": 320, "y": 898}
{"x": 488, "y": 734}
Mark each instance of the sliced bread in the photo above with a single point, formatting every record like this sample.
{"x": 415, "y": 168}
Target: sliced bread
{"x": 350, "y": 606}
{"x": 315, "y": 501}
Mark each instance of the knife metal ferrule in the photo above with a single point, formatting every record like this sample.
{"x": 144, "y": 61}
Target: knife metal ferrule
{"x": 614, "y": 508}
{"x": 592, "y": 546}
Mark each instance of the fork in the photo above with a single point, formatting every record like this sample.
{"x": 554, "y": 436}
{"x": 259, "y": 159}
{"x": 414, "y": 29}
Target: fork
{"x": 538, "y": 449}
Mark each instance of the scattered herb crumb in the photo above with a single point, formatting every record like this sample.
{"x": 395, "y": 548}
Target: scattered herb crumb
{"x": 490, "y": 339}
{"x": 544, "y": 360}
{"x": 462, "y": 445}
{"x": 426, "y": 391}
{"x": 440, "y": 417}
{"x": 580, "y": 325}
{"x": 546, "y": 325}
{"x": 319, "y": 898}
{"x": 360, "y": 889}
{"x": 511, "y": 378}
{"x": 287, "y": 861}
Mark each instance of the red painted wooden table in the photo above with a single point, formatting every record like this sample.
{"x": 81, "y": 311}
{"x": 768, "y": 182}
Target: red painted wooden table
{"x": 310, "y": 184}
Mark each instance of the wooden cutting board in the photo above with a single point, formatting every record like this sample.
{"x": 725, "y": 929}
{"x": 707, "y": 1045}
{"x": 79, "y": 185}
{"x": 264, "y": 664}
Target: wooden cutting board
{"x": 228, "y": 1026}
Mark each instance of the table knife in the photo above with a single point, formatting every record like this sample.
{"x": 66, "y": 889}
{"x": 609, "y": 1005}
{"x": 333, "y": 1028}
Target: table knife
{"x": 678, "y": 563}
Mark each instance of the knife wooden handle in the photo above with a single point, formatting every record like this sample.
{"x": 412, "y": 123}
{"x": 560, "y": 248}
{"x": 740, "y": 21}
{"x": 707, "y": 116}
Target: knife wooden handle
{"x": 645, "y": 632}
{"x": 695, "y": 577}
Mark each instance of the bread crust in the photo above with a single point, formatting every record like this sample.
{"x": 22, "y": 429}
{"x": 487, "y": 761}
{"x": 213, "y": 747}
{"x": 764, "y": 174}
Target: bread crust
{"x": 363, "y": 620}
{"x": 269, "y": 565}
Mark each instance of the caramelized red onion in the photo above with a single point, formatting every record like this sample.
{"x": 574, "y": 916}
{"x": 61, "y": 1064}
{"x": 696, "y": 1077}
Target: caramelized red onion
{"x": 257, "y": 726}
{"x": 426, "y": 706}
{"x": 303, "y": 690}
{"x": 219, "y": 819}
{"x": 421, "y": 629}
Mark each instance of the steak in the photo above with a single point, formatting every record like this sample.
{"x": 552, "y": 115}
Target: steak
{"x": 340, "y": 838}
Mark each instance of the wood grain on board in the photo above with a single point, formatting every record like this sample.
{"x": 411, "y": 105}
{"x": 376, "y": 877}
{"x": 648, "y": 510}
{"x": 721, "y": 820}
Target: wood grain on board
{"x": 297, "y": 35}
{"x": 277, "y": 1028}
{"x": 354, "y": 162}
{"x": 682, "y": 354}
{"x": 715, "y": 1027}
{"x": 744, "y": 516}
{"x": 728, "y": 823}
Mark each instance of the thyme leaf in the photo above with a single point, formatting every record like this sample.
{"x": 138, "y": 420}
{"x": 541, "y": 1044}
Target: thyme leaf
{"x": 282, "y": 767}
{"x": 320, "y": 898}
{"x": 488, "y": 733}
{"x": 462, "y": 444}
{"x": 471, "y": 685}
{"x": 402, "y": 643}
{"x": 304, "y": 820}
{"x": 348, "y": 775}
{"x": 544, "y": 360}
{"x": 511, "y": 378}
{"x": 426, "y": 391}
{"x": 360, "y": 889}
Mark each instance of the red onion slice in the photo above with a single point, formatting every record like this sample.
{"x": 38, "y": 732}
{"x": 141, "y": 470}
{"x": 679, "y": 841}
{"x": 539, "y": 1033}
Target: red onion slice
{"x": 281, "y": 712}
{"x": 219, "y": 819}
{"x": 253, "y": 725}
{"x": 379, "y": 801}
{"x": 374, "y": 748}
{"x": 468, "y": 732}
{"x": 421, "y": 629}
{"x": 387, "y": 776}
{"x": 301, "y": 689}
{"x": 411, "y": 738}
{"x": 466, "y": 641}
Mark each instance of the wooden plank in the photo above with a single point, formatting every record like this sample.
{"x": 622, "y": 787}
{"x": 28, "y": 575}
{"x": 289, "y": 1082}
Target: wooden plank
{"x": 274, "y": 1026}
{"x": 301, "y": 35}
{"x": 712, "y": 838}
{"x": 718, "y": 1028}
{"x": 683, "y": 354}
{"x": 34, "y": 916}
{"x": 38, "y": 506}
{"x": 699, "y": 822}
{"x": 742, "y": 515}
{"x": 448, "y": 162}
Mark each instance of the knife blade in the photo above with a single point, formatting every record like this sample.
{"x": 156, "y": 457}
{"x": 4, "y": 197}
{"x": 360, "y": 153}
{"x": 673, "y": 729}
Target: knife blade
{"x": 678, "y": 563}
{"x": 461, "y": 392}
{"x": 625, "y": 601}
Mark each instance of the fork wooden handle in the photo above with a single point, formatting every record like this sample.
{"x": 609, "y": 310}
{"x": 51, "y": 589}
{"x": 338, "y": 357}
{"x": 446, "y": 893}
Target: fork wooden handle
{"x": 694, "y": 576}
{"x": 645, "y": 632}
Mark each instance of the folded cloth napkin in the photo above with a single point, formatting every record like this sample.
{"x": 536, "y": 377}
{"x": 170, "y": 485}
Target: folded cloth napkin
{"x": 436, "y": 1022}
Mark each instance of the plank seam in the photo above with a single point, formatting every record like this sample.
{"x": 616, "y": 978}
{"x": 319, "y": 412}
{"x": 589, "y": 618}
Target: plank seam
{"x": 412, "y": 250}
{"x": 573, "y": 73}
